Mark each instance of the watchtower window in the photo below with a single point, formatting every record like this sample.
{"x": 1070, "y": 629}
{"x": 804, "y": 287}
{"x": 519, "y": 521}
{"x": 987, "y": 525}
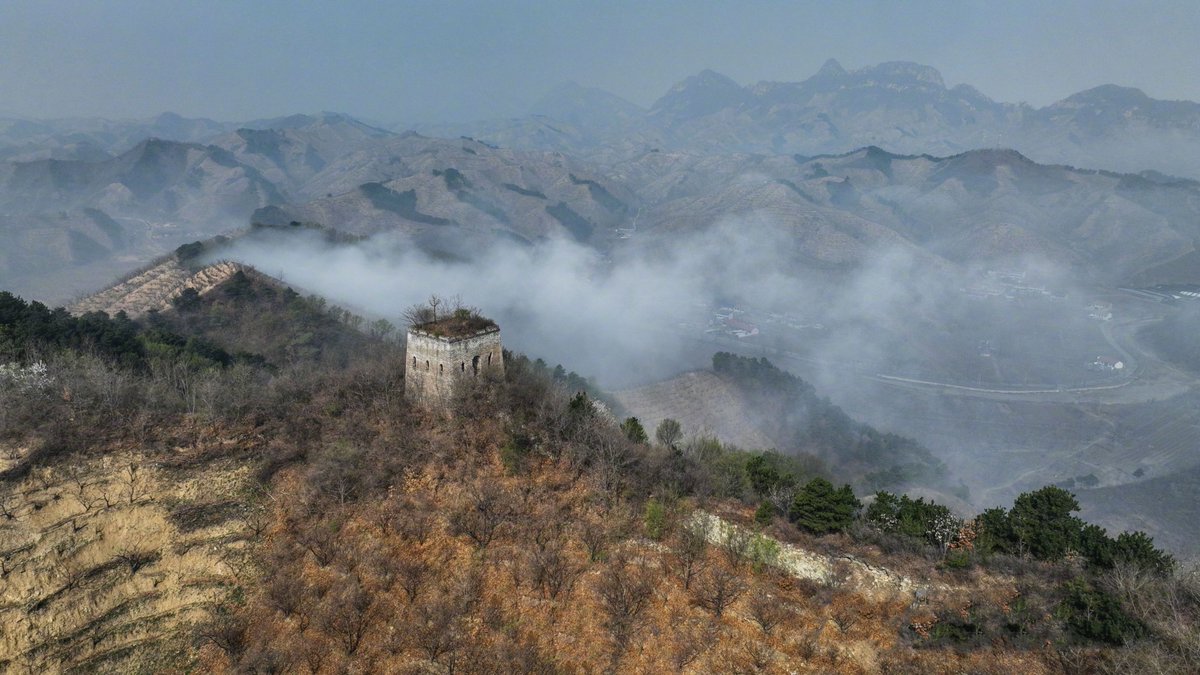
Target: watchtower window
{"x": 426, "y": 365}
{"x": 475, "y": 365}
{"x": 414, "y": 362}
{"x": 441, "y": 368}
{"x": 463, "y": 366}
{"x": 489, "y": 361}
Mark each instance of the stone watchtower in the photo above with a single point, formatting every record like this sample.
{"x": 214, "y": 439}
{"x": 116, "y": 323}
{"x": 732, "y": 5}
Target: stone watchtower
{"x": 444, "y": 352}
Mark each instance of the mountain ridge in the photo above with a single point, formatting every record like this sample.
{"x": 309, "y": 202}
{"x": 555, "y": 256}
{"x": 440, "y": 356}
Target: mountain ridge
{"x": 901, "y": 105}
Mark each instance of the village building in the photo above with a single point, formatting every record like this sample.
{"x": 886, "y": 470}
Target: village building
{"x": 1107, "y": 364}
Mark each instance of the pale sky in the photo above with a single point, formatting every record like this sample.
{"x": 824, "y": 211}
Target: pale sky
{"x": 398, "y": 61}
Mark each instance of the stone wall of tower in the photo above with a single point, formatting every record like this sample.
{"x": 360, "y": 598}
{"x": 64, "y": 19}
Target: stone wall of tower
{"x": 434, "y": 364}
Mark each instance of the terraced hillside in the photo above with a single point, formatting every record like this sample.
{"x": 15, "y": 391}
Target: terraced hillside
{"x": 701, "y": 402}
{"x": 108, "y": 561}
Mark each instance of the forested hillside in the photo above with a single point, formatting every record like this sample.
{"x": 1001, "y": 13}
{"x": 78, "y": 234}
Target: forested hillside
{"x": 238, "y": 484}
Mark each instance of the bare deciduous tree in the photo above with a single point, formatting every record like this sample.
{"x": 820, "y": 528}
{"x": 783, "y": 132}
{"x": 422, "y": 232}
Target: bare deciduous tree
{"x": 625, "y": 588}
{"x": 482, "y": 512}
{"x": 718, "y": 588}
{"x": 690, "y": 639}
{"x": 691, "y": 549}
{"x": 767, "y": 611}
{"x": 413, "y": 571}
{"x": 424, "y": 312}
{"x": 595, "y": 539}
{"x": 347, "y": 614}
{"x": 551, "y": 569}
{"x": 781, "y": 496}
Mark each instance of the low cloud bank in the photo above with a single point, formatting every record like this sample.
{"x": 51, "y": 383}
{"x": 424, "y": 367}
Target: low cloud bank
{"x": 621, "y": 321}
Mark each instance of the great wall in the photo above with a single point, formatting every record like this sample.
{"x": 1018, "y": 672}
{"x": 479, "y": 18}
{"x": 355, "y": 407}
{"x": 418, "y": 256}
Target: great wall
{"x": 155, "y": 288}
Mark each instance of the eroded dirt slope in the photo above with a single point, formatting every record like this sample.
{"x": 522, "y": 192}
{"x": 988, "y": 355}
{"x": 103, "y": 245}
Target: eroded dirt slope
{"x": 108, "y": 562}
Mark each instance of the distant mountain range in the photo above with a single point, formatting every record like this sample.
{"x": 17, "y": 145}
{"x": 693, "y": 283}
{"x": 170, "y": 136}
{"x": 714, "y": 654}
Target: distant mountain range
{"x": 71, "y": 224}
{"x": 84, "y": 201}
{"x": 899, "y": 106}
{"x": 978, "y": 207}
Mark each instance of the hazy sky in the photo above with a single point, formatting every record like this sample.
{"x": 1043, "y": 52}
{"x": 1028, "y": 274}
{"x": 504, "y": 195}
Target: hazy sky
{"x": 455, "y": 61}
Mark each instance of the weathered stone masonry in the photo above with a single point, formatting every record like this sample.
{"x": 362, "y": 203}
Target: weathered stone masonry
{"x": 435, "y": 363}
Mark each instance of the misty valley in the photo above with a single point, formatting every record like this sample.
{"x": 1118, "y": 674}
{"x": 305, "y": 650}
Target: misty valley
{"x": 1014, "y": 376}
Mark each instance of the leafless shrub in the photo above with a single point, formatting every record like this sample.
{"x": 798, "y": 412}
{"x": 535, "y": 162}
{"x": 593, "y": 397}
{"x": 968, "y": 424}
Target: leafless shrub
{"x": 768, "y": 611}
{"x": 81, "y": 483}
{"x": 132, "y": 479}
{"x": 807, "y": 646}
{"x": 8, "y": 506}
{"x": 413, "y": 571}
{"x": 735, "y": 543}
{"x": 691, "y": 547}
{"x": 227, "y": 632}
{"x": 625, "y": 589}
{"x": 438, "y": 623}
{"x": 346, "y": 614}
{"x": 690, "y": 639}
{"x": 551, "y": 569}
{"x": 595, "y": 537}
{"x": 320, "y": 538}
{"x": 411, "y": 518}
{"x": 258, "y": 520}
{"x": 136, "y": 556}
{"x": 717, "y": 589}
{"x": 481, "y": 513}
{"x": 758, "y": 655}
{"x": 285, "y": 592}
{"x": 846, "y": 616}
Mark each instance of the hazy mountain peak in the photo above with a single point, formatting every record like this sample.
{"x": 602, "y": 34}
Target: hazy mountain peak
{"x": 292, "y": 121}
{"x": 701, "y": 94}
{"x": 968, "y": 92}
{"x": 577, "y": 104}
{"x": 991, "y": 158}
{"x": 1106, "y": 95}
{"x": 907, "y": 70}
{"x": 706, "y": 79}
{"x": 168, "y": 117}
{"x": 831, "y": 69}
{"x": 154, "y": 145}
{"x": 708, "y": 74}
